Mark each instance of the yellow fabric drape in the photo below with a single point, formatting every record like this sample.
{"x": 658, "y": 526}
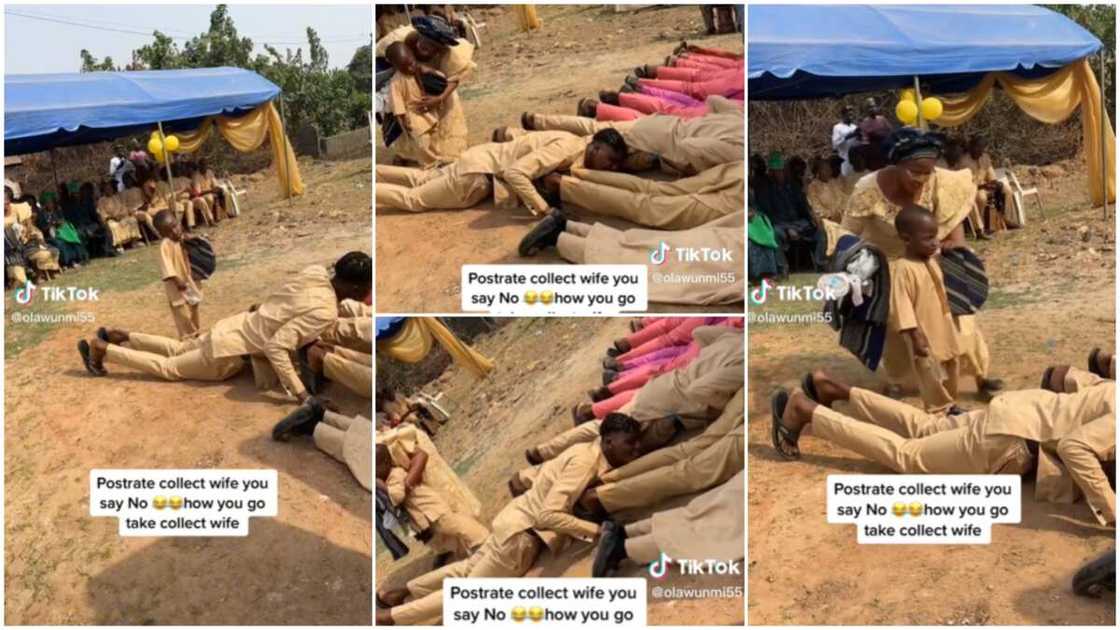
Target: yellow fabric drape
{"x": 414, "y": 340}
{"x": 1051, "y": 99}
{"x": 247, "y": 133}
{"x": 527, "y": 17}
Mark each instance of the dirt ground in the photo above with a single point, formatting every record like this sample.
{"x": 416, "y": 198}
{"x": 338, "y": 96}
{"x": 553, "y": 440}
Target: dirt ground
{"x": 580, "y": 50}
{"x": 308, "y": 565}
{"x": 543, "y": 367}
{"x": 1052, "y": 300}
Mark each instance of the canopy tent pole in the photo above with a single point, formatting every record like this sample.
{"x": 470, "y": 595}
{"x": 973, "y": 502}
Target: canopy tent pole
{"x": 167, "y": 163}
{"x": 287, "y": 165}
{"x": 918, "y": 102}
{"x": 1104, "y": 138}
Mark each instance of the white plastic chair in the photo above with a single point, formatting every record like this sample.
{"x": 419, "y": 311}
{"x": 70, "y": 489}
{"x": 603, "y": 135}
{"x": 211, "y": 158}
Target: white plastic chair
{"x": 1020, "y": 194}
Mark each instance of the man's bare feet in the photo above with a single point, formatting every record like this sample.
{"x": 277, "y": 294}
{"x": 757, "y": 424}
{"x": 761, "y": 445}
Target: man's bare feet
{"x": 789, "y": 415}
{"x": 97, "y": 349}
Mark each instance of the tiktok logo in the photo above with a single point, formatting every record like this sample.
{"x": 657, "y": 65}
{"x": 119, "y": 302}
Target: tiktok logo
{"x": 758, "y": 296}
{"x": 25, "y": 294}
{"x": 658, "y": 568}
{"x": 657, "y": 256}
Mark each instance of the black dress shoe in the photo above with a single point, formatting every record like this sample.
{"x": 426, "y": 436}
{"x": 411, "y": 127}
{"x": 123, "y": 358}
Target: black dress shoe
{"x": 609, "y": 376}
{"x": 599, "y": 394}
{"x": 608, "y": 97}
{"x": 302, "y": 421}
{"x": 611, "y": 550}
{"x": 544, "y": 234}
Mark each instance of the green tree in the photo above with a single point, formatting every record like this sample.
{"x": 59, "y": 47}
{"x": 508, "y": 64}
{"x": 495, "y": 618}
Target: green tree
{"x": 1100, "y": 20}
{"x": 313, "y": 93}
{"x": 91, "y": 64}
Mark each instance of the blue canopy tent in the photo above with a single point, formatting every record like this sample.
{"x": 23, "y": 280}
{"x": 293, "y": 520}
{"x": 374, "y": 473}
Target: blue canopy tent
{"x": 45, "y": 111}
{"x": 814, "y": 51}
{"x": 818, "y": 51}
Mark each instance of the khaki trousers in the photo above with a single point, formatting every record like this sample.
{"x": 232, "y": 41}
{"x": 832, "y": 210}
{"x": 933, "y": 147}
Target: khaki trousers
{"x": 351, "y": 369}
{"x": 174, "y": 360}
{"x": 417, "y": 190}
{"x": 572, "y": 244}
{"x": 330, "y": 434}
{"x": 578, "y": 125}
{"x": 457, "y": 533}
{"x": 908, "y": 440}
{"x": 186, "y": 319}
{"x": 640, "y": 544}
{"x": 710, "y": 467}
{"x": 674, "y": 205}
{"x": 512, "y": 558}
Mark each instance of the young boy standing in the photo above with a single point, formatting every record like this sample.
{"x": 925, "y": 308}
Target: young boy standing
{"x": 183, "y": 293}
{"x": 920, "y": 310}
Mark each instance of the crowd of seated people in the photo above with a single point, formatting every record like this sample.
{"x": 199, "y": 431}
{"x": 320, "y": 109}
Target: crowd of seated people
{"x": 65, "y": 228}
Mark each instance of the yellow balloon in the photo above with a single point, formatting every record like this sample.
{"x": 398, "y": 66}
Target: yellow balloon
{"x": 907, "y": 111}
{"x": 172, "y": 143}
{"x": 908, "y": 95}
{"x": 158, "y": 155}
{"x": 932, "y": 108}
{"x": 155, "y": 146}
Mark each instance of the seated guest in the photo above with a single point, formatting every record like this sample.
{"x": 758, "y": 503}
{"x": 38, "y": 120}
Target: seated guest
{"x": 784, "y": 203}
{"x": 993, "y": 196}
{"x": 19, "y": 229}
{"x": 826, "y": 194}
{"x": 123, "y": 228}
{"x": 60, "y": 233}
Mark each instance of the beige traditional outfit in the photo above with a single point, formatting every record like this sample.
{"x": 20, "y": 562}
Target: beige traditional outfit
{"x": 1074, "y": 432}
{"x": 510, "y": 166}
{"x": 441, "y": 505}
{"x": 676, "y": 280}
{"x": 123, "y": 228}
{"x": 448, "y": 138}
{"x": 700, "y": 462}
{"x": 709, "y": 526}
{"x": 827, "y": 199}
{"x": 982, "y": 173}
{"x": 696, "y": 393}
{"x": 348, "y": 439}
{"x": 174, "y": 264}
{"x": 950, "y": 195}
{"x": 918, "y": 301}
{"x": 351, "y": 369}
{"x": 291, "y": 317}
{"x": 43, "y": 258}
{"x": 680, "y": 204}
{"x": 542, "y": 516}
{"x": 684, "y": 146}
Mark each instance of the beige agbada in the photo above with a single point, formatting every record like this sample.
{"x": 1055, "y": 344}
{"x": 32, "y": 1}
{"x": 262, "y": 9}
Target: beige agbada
{"x": 1075, "y": 433}
{"x": 700, "y": 391}
{"x": 601, "y": 244}
{"x": 918, "y": 301}
{"x": 708, "y": 527}
{"x": 685, "y": 146}
{"x": 680, "y": 204}
{"x": 348, "y": 439}
{"x": 465, "y": 182}
{"x": 697, "y": 463}
{"x": 442, "y": 503}
{"x": 541, "y": 514}
{"x": 291, "y": 317}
